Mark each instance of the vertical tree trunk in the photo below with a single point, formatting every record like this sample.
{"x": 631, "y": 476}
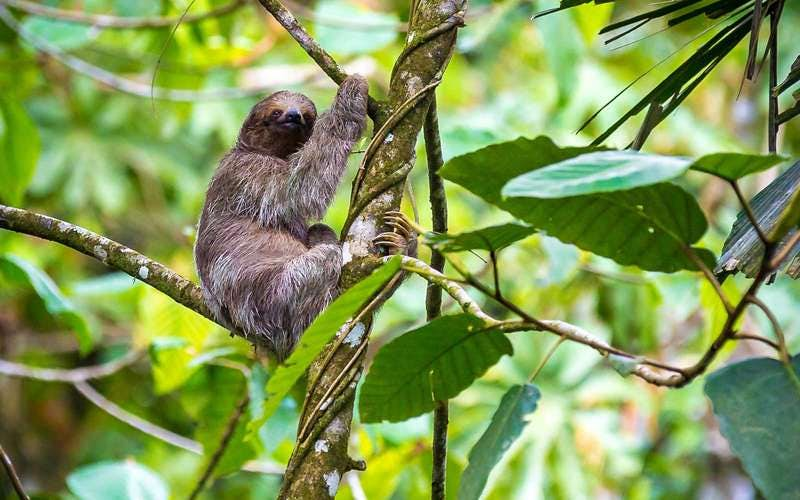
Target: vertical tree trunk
{"x": 320, "y": 460}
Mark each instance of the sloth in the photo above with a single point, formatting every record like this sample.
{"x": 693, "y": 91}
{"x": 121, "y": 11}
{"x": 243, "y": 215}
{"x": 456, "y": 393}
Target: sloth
{"x": 264, "y": 271}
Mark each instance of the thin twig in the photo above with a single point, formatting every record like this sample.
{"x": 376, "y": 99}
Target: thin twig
{"x": 230, "y": 428}
{"x": 12, "y": 474}
{"x": 433, "y": 294}
{"x": 120, "y": 83}
{"x": 117, "y": 22}
{"x": 759, "y": 338}
{"x": 748, "y": 210}
{"x": 709, "y": 276}
{"x": 160, "y": 433}
{"x": 776, "y": 326}
{"x": 70, "y": 375}
{"x": 546, "y": 358}
{"x": 772, "y": 125}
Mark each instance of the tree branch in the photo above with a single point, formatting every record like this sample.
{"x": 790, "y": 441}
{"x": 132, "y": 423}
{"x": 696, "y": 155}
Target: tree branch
{"x": 12, "y": 474}
{"x": 325, "y": 61}
{"x": 70, "y": 375}
{"x": 117, "y": 22}
{"x": 109, "y": 253}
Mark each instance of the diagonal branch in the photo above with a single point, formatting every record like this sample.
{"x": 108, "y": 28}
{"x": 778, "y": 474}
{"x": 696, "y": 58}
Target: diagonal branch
{"x": 70, "y": 375}
{"x": 108, "y": 252}
{"x": 325, "y": 61}
{"x": 12, "y": 474}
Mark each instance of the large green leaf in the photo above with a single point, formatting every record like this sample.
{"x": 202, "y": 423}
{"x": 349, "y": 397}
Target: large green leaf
{"x": 650, "y": 226}
{"x": 733, "y": 166}
{"x": 54, "y": 301}
{"x": 317, "y": 335}
{"x": 493, "y": 238}
{"x": 508, "y": 422}
{"x": 432, "y": 363}
{"x": 228, "y": 388}
{"x": 757, "y": 403}
{"x": 19, "y": 150}
{"x": 598, "y": 172}
{"x": 123, "y": 480}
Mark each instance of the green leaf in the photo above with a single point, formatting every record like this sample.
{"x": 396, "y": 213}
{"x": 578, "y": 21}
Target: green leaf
{"x": 507, "y": 424}
{"x": 377, "y": 28}
{"x": 649, "y": 226}
{"x": 19, "y": 150}
{"x": 175, "y": 336}
{"x": 62, "y": 34}
{"x": 432, "y": 363}
{"x": 733, "y": 166}
{"x": 317, "y": 335}
{"x": 59, "y": 307}
{"x": 492, "y": 238}
{"x": 124, "y": 480}
{"x": 280, "y": 427}
{"x": 598, "y": 172}
{"x": 757, "y": 403}
{"x": 228, "y": 388}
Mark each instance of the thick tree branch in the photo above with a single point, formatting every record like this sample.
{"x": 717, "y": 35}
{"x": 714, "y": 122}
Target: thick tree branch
{"x": 109, "y": 253}
{"x": 313, "y": 474}
{"x": 117, "y": 22}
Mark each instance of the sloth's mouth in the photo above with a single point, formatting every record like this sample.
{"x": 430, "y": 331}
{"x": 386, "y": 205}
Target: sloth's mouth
{"x": 291, "y": 125}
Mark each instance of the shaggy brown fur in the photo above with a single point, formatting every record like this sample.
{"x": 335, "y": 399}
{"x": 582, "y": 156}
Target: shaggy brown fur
{"x": 262, "y": 269}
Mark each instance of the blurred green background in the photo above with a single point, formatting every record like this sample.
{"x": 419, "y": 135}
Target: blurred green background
{"x": 134, "y": 168}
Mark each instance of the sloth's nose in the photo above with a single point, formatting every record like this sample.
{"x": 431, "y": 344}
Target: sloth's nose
{"x": 293, "y": 116}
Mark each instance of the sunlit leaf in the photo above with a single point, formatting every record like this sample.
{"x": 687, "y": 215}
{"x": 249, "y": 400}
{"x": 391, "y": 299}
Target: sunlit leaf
{"x": 19, "y": 150}
{"x": 432, "y": 363}
{"x": 493, "y": 238}
{"x": 123, "y": 480}
{"x": 598, "y": 172}
{"x": 651, "y": 227}
{"x": 508, "y": 422}
{"x": 54, "y": 301}
{"x": 757, "y": 403}
{"x": 733, "y": 166}
{"x": 317, "y": 335}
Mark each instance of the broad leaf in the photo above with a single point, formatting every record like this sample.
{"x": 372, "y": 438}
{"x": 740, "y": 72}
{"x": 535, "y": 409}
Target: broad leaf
{"x": 19, "y": 150}
{"x": 507, "y": 424}
{"x": 598, "y": 172}
{"x": 228, "y": 388}
{"x": 733, "y": 166}
{"x": 650, "y": 226}
{"x": 317, "y": 335}
{"x": 773, "y": 206}
{"x": 493, "y": 238}
{"x": 124, "y": 480}
{"x": 175, "y": 336}
{"x": 432, "y": 363}
{"x": 757, "y": 403}
{"x": 54, "y": 301}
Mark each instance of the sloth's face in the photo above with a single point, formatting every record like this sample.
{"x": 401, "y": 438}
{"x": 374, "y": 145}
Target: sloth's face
{"x": 279, "y": 124}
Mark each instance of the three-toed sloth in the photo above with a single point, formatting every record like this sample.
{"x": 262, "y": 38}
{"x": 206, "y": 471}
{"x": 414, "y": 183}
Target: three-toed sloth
{"x": 263, "y": 270}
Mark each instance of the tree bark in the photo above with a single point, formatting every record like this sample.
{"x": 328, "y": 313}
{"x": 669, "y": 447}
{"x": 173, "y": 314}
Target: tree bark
{"x": 320, "y": 458}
